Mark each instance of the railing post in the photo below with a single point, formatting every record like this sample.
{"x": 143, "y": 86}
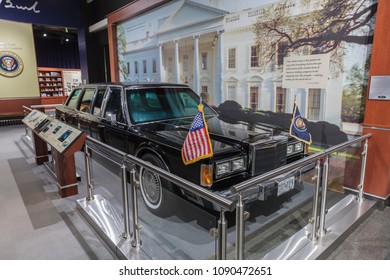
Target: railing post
{"x": 136, "y": 241}
{"x": 363, "y": 170}
{"x": 239, "y": 228}
{"x": 324, "y": 189}
{"x": 87, "y": 158}
{"x": 222, "y": 234}
{"x": 125, "y": 197}
{"x": 313, "y": 220}
{"x": 25, "y": 126}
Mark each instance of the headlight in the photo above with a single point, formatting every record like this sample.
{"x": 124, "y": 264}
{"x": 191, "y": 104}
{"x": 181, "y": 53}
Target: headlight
{"x": 298, "y": 147}
{"x": 290, "y": 149}
{"x": 223, "y": 168}
{"x": 238, "y": 164}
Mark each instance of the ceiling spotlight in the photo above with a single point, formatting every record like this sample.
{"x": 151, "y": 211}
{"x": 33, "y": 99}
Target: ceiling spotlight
{"x": 44, "y": 35}
{"x": 67, "y": 39}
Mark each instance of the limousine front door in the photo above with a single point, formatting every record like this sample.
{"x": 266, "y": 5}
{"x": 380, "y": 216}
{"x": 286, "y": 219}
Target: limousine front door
{"x": 113, "y": 123}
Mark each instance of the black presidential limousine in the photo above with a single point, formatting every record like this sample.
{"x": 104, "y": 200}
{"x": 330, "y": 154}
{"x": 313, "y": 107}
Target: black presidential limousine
{"x": 151, "y": 121}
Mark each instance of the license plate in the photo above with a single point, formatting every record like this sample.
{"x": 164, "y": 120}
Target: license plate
{"x": 286, "y": 185}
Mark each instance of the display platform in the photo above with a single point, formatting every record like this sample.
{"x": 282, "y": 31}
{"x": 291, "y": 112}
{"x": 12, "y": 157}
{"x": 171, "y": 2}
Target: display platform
{"x": 271, "y": 231}
{"x": 185, "y": 235}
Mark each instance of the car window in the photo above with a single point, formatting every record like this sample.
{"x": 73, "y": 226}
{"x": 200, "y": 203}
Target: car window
{"x": 114, "y": 106}
{"x": 85, "y": 104}
{"x": 97, "y": 105}
{"x": 163, "y": 103}
{"x": 72, "y": 102}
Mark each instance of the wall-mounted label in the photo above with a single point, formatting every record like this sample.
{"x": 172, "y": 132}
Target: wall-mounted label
{"x": 306, "y": 71}
{"x": 379, "y": 88}
{"x": 11, "y": 65}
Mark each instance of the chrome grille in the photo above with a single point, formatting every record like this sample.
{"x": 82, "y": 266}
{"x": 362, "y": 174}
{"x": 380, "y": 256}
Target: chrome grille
{"x": 268, "y": 157}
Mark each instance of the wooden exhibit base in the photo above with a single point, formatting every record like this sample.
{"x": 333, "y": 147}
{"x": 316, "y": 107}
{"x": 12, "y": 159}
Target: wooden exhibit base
{"x": 41, "y": 151}
{"x": 65, "y": 169}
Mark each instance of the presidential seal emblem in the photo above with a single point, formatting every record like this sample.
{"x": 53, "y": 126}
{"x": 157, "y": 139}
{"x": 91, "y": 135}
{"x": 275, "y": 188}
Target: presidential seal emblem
{"x": 11, "y": 65}
{"x": 299, "y": 124}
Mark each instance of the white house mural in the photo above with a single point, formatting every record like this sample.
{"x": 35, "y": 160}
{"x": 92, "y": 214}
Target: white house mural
{"x": 233, "y": 54}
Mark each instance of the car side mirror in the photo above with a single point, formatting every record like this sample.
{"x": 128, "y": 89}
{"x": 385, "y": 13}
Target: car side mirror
{"x": 111, "y": 118}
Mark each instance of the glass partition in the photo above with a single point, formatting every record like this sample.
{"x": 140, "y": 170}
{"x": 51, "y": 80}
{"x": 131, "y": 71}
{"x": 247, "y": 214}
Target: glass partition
{"x": 272, "y": 227}
{"x": 186, "y": 234}
{"x": 189, "y": 231}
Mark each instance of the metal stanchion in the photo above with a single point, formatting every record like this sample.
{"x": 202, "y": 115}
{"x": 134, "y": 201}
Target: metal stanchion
{"x": 222, "y": 234}
{"x": 313, "y": 234}
{"x": 324, "y": 189}
{"x": 125, "y": 197}
{"x": 239, "y": 228}
{"x": 25, "y": 126}
{"x": 136, "y": 242}
{"x": 363, "y": 170}
{"x": 87, "y": 158}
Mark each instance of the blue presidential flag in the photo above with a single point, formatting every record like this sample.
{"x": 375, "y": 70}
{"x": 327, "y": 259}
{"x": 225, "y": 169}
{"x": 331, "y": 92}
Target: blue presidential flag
{"x": 298, "y": 127}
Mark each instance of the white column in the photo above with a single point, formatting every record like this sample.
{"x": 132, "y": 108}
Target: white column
{"x": 218, "y": 95}
{"x": 177, "y": 74}
{"x": 160, "y": 64}
{"x": 196, "y": 64}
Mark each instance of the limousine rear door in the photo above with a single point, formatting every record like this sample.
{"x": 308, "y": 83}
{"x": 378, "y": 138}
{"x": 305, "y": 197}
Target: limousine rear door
{"x": 84, "y": 108}
{"x": 95, "y": 126}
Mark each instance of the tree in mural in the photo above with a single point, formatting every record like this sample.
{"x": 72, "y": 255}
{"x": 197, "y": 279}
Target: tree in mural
{"x": 121, "y": 43}
{"x": 352, "y": 109}
{"x": 324, "y": 30}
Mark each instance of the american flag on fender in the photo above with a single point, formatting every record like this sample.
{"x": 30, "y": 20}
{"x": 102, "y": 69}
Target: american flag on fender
{"x": 197, "y": 144}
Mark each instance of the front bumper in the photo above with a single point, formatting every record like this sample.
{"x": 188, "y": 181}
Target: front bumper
{"x": 271, "y": 188}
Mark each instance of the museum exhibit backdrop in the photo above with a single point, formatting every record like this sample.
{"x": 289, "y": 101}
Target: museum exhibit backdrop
{"x": 251, "y": 59}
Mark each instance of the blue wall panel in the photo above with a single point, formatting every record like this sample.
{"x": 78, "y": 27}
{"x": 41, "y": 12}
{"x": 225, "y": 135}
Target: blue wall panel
{"x": 66, "y": 13}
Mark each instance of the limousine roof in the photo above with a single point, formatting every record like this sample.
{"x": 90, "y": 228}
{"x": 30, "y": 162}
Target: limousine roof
{"x": 134, "y": 84}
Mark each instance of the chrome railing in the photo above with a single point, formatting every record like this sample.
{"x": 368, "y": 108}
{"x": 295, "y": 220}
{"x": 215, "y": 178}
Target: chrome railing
{"x": 321, "y": 179}
{"x": 128, "y": 162}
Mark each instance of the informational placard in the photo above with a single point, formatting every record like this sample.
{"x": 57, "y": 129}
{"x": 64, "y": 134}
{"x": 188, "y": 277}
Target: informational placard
{"x": 34, "y": 119}
{"x": 59, "y": 135}
{"x": 379, "y": 88}
{"x": 306, "y": 71}
{"x": 54, "y": 132}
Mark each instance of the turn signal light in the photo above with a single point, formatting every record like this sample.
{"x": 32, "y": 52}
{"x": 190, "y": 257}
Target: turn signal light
{"x": 206, "y": 175}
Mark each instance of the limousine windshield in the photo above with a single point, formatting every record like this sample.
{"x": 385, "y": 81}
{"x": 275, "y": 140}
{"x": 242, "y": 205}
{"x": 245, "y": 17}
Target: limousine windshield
{"x": 152, "y": 104}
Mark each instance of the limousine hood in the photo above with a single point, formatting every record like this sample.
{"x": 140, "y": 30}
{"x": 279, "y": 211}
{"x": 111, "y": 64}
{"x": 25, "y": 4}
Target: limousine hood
{"x": 223, "y": 135}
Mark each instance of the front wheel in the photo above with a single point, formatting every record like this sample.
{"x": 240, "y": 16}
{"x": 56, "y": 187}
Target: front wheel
{"x": 155, "y": 190}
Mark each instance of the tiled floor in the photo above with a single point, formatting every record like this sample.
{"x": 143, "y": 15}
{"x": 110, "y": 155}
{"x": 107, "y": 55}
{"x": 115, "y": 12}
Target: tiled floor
{"x": 35, "y": 223}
